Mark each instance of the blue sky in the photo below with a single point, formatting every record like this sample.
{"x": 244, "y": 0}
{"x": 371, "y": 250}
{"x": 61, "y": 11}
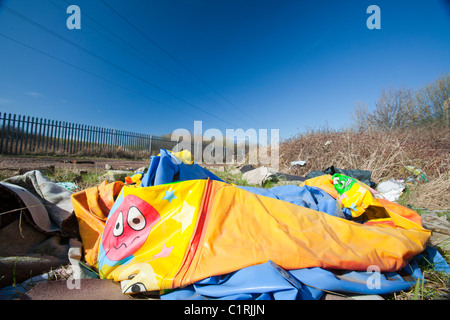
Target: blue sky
{"x": 287, "y": 65}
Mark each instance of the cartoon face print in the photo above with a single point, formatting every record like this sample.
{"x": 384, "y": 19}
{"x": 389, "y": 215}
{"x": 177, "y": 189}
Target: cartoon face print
{"x": 128, "y": 227}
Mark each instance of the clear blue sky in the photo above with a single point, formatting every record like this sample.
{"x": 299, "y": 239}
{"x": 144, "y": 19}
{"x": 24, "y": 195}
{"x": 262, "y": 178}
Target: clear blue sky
{"x": 286, "y": 65}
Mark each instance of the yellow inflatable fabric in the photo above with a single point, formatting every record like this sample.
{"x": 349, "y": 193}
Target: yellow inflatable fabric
{"x": 172, "y": 235}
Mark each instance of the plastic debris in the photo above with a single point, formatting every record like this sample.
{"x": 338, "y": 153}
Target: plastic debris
{"x": 391, "y": 189}
{"x": 68, "y": 185}
{"x": 419, "y": 174}
{"x": 298, "y": 163}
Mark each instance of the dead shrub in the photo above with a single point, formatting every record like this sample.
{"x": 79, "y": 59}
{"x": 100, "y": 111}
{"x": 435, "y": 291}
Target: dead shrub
{"x": 384, "y": 153}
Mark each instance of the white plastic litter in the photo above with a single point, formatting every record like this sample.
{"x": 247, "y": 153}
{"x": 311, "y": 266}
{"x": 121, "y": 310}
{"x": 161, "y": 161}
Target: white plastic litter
{"x": 391, "y": 189}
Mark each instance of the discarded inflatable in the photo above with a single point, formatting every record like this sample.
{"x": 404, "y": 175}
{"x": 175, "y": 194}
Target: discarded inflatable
{"x": 176, "y": 234}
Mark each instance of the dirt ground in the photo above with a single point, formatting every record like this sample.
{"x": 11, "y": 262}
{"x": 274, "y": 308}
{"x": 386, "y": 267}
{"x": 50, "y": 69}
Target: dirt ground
{"x": 23, "y": 164}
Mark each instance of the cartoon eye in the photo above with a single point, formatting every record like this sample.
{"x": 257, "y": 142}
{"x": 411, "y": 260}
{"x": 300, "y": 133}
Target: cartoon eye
{"x": 136, "y": 287}
{"x": 118, "y": 227}
{"x": 136, "y": 219}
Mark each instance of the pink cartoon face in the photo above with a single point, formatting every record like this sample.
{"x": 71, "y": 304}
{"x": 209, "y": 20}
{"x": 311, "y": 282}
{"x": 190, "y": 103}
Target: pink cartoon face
{"x": 128, "y": 228}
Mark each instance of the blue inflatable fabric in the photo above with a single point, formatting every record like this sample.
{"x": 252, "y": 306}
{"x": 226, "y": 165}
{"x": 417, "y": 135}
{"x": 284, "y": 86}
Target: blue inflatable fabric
{"x": 270, "y": 282}
{"x": 166, "y": 168}
{"x": 305, "y": 196}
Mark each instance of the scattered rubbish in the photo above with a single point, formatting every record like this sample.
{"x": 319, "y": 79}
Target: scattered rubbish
{"x": 419, "y": 174}
{"x": 298, "y": 163}
{"x": 79, "y": 161}
{"x": 440, "y": 227}
{"x": 211, "y": 239}
{"x": 259, "y": 175}
{"x": 290, "y": 178}
{"x": 362, "y": 175}
{"x": 411, "y": 180}
{"x": 70, "y": 186}
{"x": 247, "y": 167}
{"x": 391, "y": 189}
{"x": 353, "y": 195}
{"x": 173, "y": 210}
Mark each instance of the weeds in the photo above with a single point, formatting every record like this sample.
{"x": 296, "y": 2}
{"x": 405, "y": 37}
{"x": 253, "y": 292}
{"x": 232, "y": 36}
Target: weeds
{"x": 230, "y": 177}
{"x": 435, "y": 285}
{"x": 83, "y": 179}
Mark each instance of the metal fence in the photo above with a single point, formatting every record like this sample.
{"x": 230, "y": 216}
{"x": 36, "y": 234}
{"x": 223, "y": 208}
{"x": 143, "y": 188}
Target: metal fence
{"x": 25, "y": 135}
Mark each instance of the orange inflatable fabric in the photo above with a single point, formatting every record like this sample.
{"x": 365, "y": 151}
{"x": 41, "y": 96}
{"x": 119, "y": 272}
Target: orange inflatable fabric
{"x": 172, "y": 235}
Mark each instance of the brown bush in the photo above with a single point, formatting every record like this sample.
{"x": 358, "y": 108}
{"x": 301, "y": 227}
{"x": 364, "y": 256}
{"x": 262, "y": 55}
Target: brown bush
{"x": 385, "y": 153}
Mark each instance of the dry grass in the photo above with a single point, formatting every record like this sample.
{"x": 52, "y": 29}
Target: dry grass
{"x": 433, "y": 195}
{"x": 384, "y": 153}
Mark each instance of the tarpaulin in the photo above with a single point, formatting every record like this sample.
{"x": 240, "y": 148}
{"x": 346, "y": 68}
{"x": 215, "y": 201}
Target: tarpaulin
{"x": 36, "y": 223}
{"x": 175, "y": 234}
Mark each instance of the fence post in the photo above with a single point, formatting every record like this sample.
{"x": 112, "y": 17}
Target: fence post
{"x": 19, "y": 134}
{"x": 122, "y": 140}
{"x": 34, "y": 137}
{"x": 40, "y": 134}
{"x": 48, "y": 135}
{"x": 3, "y": 133}
{"x": 12, "y": 133}
{"x": 44, "y": 134}
{"x": 26, "y": 146}
{"x": 150, "y": 146}
{"x": 89, "y": 139}
{"x": 57, "y": 136}
{"x": 80, "y": 137}
{"x": 70, "y": 137}
{"x": 64, "y": 134}
{"x": 83, "y": 137}
{"x": 75, "y": 137}
{"x": 111, "y": 140}
{"x": 103, "y": 138}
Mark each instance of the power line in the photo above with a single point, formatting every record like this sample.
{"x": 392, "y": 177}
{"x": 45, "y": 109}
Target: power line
{"x": 107, "y": 61}
{"x": 172, "y": 57}
{"x": 174, "y": 76}
{"x": 92, "y": 74}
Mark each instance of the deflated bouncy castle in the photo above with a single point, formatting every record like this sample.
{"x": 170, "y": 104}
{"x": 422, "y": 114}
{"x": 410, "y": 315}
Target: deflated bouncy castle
{"x": 182, "y": 232}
